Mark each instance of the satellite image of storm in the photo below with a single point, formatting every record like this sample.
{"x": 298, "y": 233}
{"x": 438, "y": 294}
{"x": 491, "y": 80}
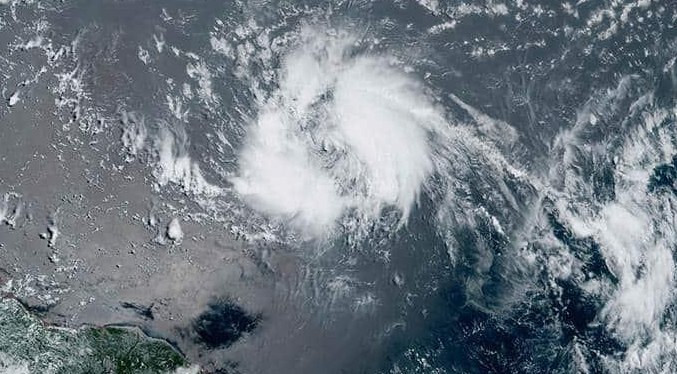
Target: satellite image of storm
{"x": 338, "y": 186}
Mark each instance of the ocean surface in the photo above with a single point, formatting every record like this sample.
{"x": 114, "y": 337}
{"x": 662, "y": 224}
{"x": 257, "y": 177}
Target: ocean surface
{"x": 343, "y": 186}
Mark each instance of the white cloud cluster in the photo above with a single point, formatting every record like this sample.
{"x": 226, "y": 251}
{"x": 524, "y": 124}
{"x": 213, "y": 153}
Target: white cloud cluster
{"x": 344, "y": 132}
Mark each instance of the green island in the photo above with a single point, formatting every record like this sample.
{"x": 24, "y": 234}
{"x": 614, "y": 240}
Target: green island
{"x": 28, "y": 346}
